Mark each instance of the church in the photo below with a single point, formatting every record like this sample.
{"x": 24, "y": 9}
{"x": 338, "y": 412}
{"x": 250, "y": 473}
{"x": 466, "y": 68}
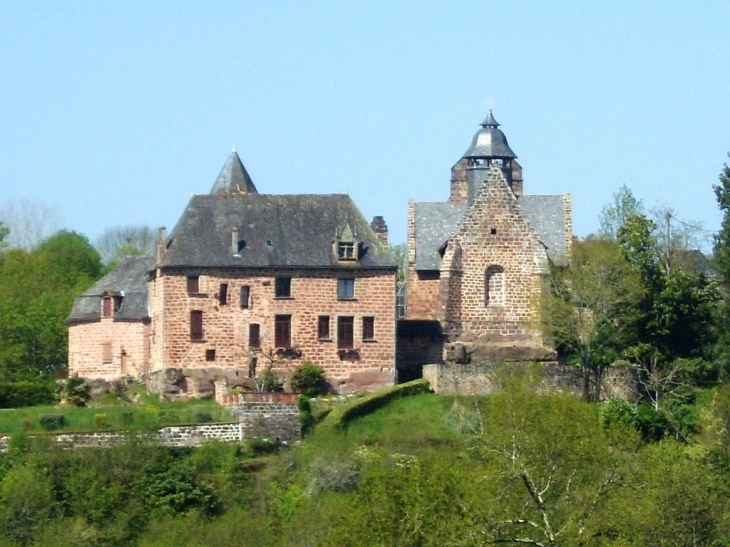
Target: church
{"x": 248, "y": 281}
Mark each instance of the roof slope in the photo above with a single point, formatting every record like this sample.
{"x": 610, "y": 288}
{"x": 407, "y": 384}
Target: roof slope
{"x": 272, "y": 230}
{"x": 547, "y": 217}
{"x": 233, "y": 178}
{"x": 127, "y": 279}
{"x": 434, "y": 224}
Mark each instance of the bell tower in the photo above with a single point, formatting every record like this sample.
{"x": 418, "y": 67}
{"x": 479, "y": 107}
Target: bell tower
{"x": 488, "y": 147}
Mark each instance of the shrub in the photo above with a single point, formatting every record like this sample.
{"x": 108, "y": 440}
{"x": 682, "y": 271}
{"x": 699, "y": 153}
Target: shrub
{"x": 19, "y": 394}
{"x": 308, "y": 379}
{"x": 618, "y": 412}
{"x": 269, "y": 381}
{"x": 51, "y": 422}
{"x": 203, "y": 417}
{"x": 101, "y": 421}
{"x": 306, "y": 420}
{"x": 77, "y": 392}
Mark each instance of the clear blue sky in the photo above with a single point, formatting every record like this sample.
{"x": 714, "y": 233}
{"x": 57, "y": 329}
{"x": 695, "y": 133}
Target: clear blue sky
{"x": 114, "y": 113}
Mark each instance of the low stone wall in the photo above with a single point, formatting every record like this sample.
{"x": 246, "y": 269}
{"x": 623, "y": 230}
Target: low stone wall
{"x": 274, "y": 418}
{"x": 477, "y": 379}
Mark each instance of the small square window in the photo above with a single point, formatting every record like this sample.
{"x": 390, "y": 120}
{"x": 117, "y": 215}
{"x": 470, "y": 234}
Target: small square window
{"x": 210, "y": 355}
{"x": 245, "y": 296}
{"x": 368, "y": 328}
{"x": 283, "y": 287}
{"x": 346, "y": 250}
{"x": 493, "y": 231}
{"x": 193, "y": 284}
{"x": 346, "y": 288}
{"x": 323, "y": 327}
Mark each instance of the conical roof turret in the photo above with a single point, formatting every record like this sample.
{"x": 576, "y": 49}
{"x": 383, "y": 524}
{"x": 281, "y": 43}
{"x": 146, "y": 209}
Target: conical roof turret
{"x": 233, "y": 178}
{"x": 489, "y": 142}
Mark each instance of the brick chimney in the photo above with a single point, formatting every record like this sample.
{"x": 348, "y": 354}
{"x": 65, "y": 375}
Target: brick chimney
{"x": 380, "y": 228}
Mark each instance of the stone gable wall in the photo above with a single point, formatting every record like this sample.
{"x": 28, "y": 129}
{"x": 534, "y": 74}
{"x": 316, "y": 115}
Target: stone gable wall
{"x": 422, "y": 287}
{"x": 129, "y": 343}
{"x": 313, "y": 293}
{"x": 494, "y": 232}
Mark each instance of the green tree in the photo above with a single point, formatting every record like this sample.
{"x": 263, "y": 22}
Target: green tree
{"x": 588, "y": 314}
{"x": 721, "y": 260}
{"x": 614, "y": 215}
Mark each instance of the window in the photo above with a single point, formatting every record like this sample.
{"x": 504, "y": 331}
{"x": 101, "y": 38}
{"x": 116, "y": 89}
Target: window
{"x": 106, "y": 352}
{"x": 196, "y": 325}
{"x": 368, "y": 328}
{"x": 282, "y": 331}
{"x": 245, "y": 296}
{"x": 346, "y": 250}
{"x": 223, "y": 294}
{"x": 323, "y": 327}
{"x": 254, "y": 335}
{"x": 193, "y": 284}
{"x": 345, "y": 328}
{"x": 494, "y": 286}
{"x": 346, "y": 288}
{"x": 106, "y": 306}
{"x": 210, "y": 355}
{"x": 283, "y": 287}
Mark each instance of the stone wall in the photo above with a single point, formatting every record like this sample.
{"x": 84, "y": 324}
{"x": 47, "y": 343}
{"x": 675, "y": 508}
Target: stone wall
{"x": 128, "y": 348}
{"x": 273, "y": 418}
{"x": 477, "y": 379}
{"x": 225, "y": 340}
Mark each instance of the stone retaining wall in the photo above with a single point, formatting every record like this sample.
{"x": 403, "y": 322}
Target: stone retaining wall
{"x": 274, "y": 420}
{"x": 477, "y": 379}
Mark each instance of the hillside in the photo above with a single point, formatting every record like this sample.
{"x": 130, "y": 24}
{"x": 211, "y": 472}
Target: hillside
{"x": 516, "y": 468}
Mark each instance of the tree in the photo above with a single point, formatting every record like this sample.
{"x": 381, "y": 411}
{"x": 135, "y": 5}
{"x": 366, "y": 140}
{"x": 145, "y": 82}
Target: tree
{"x": 3, "y": 235}
{"x": 28, "y": 222}
{"x": 589, "y": 311}
{"x": 614, "y": 215}
{"x": 721, "y": 259}
{"x": 119, "y": 242}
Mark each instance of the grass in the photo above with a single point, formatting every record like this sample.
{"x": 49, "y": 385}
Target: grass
{"x": 145, "y": 413}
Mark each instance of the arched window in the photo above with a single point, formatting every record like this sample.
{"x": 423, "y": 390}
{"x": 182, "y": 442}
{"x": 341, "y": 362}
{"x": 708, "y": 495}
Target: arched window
{"x": 494, "y": 286}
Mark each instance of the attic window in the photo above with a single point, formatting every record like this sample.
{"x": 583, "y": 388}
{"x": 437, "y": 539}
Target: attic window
{"x": 110, "y": 305}
{"x": 241, "y": 245}
{"x": 346, "y": 250}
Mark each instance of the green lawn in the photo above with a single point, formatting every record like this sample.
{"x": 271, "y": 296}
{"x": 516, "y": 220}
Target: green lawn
{"x": 144, "y": 412}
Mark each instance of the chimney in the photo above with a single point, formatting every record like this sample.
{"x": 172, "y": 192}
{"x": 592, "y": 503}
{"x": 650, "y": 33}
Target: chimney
{"x": 161, "y": 243}
{"x": 381, "y": 229}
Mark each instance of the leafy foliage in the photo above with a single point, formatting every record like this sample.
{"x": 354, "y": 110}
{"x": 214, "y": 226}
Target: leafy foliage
{"x": 308, "y": 379}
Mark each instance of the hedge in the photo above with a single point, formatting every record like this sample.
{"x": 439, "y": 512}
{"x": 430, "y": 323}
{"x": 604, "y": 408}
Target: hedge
{"x": 19, "y": 394}
{"x": 341, "y": 416}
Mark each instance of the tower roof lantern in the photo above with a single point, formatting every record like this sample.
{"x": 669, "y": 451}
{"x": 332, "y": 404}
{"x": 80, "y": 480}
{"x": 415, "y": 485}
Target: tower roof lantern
{"x": 489, "y": 142}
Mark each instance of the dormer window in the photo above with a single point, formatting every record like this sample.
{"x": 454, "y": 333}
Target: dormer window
{"x": 346, "y": 250}
{"x": 346, "y": 244}
{"x": 110, "y": 304}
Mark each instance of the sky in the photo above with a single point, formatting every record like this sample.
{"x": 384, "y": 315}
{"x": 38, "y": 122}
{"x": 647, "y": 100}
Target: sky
{"x": 114, "y": 113}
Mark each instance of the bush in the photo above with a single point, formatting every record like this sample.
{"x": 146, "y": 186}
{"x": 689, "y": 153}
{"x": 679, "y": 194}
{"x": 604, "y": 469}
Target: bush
{"x": 618, "y": 412}
{"x": 306, "y": 420}
{"x": 51, "y": 422}
{"x": 77, "y": 392}
{"x": 101, "y": 421}
{"x": 269, "y": 382}
{"x": 19, "y": 394}
{"x": 308, "y": 379}
{"x": 203, "y": 417}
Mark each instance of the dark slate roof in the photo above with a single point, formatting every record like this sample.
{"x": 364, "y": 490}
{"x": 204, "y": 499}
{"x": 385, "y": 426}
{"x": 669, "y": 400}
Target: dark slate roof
{"x": 233, "y": 178}
{"x": 547, "y": 217}
{"x": 434, "y": 223}
{"x": 127, "y": 279}
{"x": 274, "y": 230}
{"x": 489, "y": 142}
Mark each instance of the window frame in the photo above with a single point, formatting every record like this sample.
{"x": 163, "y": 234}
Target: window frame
{"x": 245, "y": 295}
{"x": 323, "y": 327}
{"x": 254, "y": 335}
{"x": 106, "y": 353}
{"x": 346, "y": 250}
{"x": 345, "y": 332}
{"x": 368, "y": 328}
{"x": 193, "y": 284}
{"x": 346, "y": 288}
{"x": 282, "y": 331}
{"x": 282, "y": 287}
{"x": 223, "y": 294}
{"x": 196, "y": 326}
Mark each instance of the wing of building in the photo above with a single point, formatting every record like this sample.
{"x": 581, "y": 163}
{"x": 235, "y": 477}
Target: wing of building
{"x": 246, "y": 281}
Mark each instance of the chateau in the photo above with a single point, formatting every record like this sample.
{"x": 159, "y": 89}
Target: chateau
{"x": 247, "y": 281}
